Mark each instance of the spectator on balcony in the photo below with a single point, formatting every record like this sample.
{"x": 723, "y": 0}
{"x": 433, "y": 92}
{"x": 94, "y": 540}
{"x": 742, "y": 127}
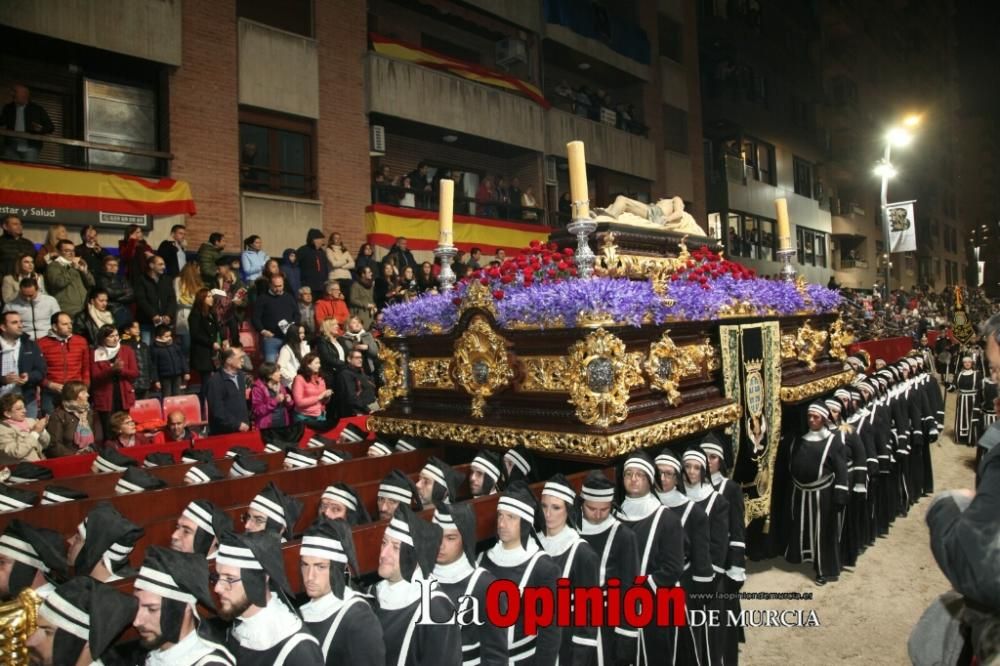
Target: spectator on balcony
{"x": 274, "y": 314}
{"x": 68, "y": 279}
{"x": 121, "y": 295}
{"x": 169, "y": 364}
{"x": 113, "y": 368}
{"x": 331, "y": 350}
{"x": 23, "y": 115}
{"x": 501, "y": 255}
{"x": 290, "y": 356}
{"x": 356, "y": 392}
{"x": 155, "y": 300}
{"x": 251, "y": 177}
{"x": 387, "y": 285}
{"x": 22, "y": 438}
{"x": 134, "y": 250}
{"x": 174, "y": 250}
{"x": 24, "y": 268}
{"x": 90, "y": 249}
{"x": 309, "y": 392}
{"x": 132, "y": 337}
{"x": 332, "y": 305}
{"x": 426, "y": 280}
{"x": 209, "y": 253}
{"x": 313, "y": 264}
{"x": 13, "y": 244}
{"x": 48, "y": 251}
{"x": 36, "y": 309}
{"x": 421, "y": 182}
{"x": 406, "y": 197}
{"x": 581, "y": 102}
{"x": 226, "y": 395}
{"x": 307, "y": 312}
{"x": 565, "y": 207}
{"x": 475, "y": 261}
{"x": 401, "y": 255}
{"x": 22, "y": 366}
{"x": 529, "y": 204}
{"x": 67, "y": 357}
{"x": 263, "y": 283}
{"x": 485, "y": 198}
{"x": 253, "y": 258}
{"x": 363, "y": 296}
{"x": 289, "y": 266}
{"x": 94, "y": 316}
{"x": 515, "y": 194}
{"x": 341, "y": 261}
{"x": 366, "y": 257}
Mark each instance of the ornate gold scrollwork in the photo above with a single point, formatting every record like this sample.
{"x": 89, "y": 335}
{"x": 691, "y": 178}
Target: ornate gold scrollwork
{"x": 841, "y": 337}
{"x": 807, "y": 345}
{"x": 588, "y": 444}
{"x": 481, "y": 363}
{"x": 601, "y": 376}
{"x": 612, "y": 264}
{"x": 665, "y": 367}
{"x": 545, "y": 373}
{"x": 431, "y": 373}
{"x": 18, "y": 620}
{"x": 392, "y": 371}
{"x": 818, "y": 387}
{"x": 477, "y": 297}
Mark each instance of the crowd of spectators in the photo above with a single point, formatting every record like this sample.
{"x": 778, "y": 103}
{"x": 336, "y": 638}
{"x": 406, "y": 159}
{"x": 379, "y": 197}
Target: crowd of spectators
{"x": 86, "y": 332}
{"x": 496, "y": 196}
{"x": 598, "y": 105}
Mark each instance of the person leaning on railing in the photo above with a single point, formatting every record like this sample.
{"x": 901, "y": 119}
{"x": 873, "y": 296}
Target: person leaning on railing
{"x": 23, "y": 115}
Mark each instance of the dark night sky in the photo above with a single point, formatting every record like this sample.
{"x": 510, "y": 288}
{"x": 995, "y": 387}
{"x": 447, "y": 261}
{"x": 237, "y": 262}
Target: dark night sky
{"x": 977, "y": 32}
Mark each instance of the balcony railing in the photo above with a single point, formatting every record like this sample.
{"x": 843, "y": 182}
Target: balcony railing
{"x": 79, "y": 154}
{"x": 854, "y": 263}
{"x": 493, "y": 209}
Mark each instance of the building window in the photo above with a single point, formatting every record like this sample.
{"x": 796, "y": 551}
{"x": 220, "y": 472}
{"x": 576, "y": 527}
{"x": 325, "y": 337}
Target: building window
{"x": 276, "y": 154}
{"x": 750, "y": 236}
{"x": 811, "y": 247}
{"x": 291, "y": 15}
{"x": 803, "y": 177}
{"x": 450, "y": 49}
{"x": 675, "y": 129}
{"x": 759, "y": 159}
{"x": 671, "y": 39}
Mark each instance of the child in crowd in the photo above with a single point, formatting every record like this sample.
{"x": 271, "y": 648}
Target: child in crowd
{"x": 170, "y": 364}
{"x": 131, "y": 337}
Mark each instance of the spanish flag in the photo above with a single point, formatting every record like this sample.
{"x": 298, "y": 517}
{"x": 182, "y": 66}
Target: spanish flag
{"x": 402, "y": 51}
{"x": 54, "y": 187}
{"x": 383, "y": 224}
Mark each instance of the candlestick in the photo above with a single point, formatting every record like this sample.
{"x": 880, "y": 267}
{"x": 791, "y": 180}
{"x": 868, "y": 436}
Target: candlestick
{"x": 446, "y": 206}
{"x": 578, "y": 180}
{"x": 784, "y": 229}
{"x": 446, "y": 276}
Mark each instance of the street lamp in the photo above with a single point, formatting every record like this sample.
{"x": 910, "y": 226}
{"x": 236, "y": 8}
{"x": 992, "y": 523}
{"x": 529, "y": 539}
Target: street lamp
{"x": 900, "y": 137}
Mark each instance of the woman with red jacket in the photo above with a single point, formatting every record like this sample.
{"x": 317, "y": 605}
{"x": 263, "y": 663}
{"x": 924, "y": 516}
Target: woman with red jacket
{"x": 113, "y": 368}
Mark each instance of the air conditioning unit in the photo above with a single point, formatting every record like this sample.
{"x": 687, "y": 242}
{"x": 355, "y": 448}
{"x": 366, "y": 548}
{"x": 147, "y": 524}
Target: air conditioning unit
{"x": 376, "y": 141}
{"x": 511, "y": 51}
{"x": 550, "y": 171}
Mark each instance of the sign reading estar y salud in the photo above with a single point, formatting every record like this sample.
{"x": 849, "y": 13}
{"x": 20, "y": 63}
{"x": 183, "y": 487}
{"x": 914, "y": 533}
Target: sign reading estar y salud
{"x": 71, "y": 217}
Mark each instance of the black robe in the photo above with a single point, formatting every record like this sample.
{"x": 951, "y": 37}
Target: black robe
{"x": 660, "y": 539}
{"x": 967, "y": 415}
{"x": 716, "y": 507}
{"x": 618, "y": 557}
{"x": 537, "y": 570}
{"x": 349, "y": 634}
{"x": 819, "y": 489}
{"x": 298, "y": 647}
{"x": 698, "y": 579}
{"x": 410, "y": 644}
{"x": 735, "y": 560}
{"x": 854, "y": 528}
{"x": 580, "y": 565}
{"x": 485, "y": 645}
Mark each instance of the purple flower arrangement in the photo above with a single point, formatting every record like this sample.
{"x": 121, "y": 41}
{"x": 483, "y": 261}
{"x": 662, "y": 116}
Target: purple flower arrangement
{"x": 539, "y": 288}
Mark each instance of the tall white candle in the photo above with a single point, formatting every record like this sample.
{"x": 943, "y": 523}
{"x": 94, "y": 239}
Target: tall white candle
{"x": 578, "y": 179}
{"x": 446, "y": 206}
{"x": 784, "y": 229}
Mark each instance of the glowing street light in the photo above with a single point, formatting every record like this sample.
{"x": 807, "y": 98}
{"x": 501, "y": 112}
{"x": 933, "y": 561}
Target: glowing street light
{"x": 885, "y": 170}
{"x": 899, "y": 137}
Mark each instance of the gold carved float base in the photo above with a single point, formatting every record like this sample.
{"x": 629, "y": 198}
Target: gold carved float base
{"x": 593, "y": 445}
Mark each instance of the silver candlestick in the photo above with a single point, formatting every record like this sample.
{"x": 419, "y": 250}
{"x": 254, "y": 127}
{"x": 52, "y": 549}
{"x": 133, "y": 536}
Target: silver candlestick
{"x": 787, "y": 272}
{"x": 582, "y": 228}
{"x": 446, "y": 278}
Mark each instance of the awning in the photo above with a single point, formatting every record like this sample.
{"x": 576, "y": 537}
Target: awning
{"x": 37, "y": 190}
{"x": 384, "y": 224}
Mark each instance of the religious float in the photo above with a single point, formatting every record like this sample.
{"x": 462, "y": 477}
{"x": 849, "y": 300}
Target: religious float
{"x": 653, "y": 340}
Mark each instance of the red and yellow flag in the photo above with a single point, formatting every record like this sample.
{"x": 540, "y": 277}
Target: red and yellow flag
{"x": 384, "y": 224}
{"x": 403, "y": 51}
{"x": 54, "y": 187}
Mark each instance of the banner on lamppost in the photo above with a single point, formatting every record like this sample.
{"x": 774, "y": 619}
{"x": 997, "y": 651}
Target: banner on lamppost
{"x": 902, "y": 227}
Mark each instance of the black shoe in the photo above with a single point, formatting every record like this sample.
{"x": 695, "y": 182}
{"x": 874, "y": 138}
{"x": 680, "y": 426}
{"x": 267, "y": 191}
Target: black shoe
{"x": 820, "y": 580}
